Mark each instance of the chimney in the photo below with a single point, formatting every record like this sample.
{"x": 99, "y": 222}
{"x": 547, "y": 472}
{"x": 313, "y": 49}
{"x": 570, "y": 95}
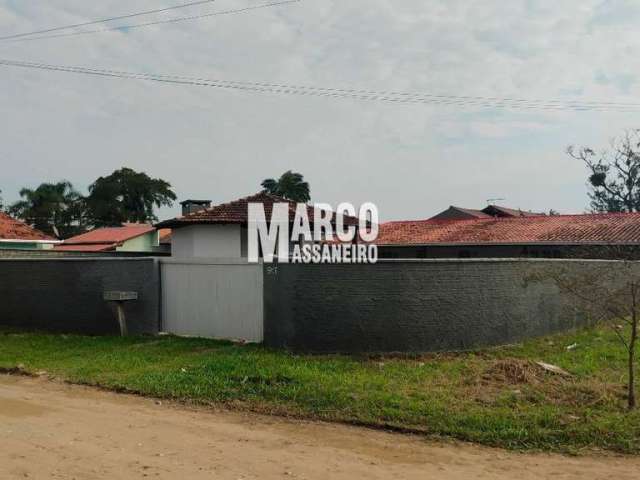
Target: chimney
{"x": 192, "y": 206}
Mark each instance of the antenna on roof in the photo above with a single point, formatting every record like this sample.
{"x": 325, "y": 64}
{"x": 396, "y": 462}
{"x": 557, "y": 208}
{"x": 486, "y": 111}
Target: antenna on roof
{"x": 490, "y": 201}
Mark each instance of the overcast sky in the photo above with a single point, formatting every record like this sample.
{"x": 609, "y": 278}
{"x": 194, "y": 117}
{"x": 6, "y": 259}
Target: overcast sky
{"x": 411, "y": 160}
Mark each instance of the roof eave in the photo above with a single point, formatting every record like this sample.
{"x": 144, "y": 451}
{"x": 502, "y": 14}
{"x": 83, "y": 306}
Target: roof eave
{"x": 177, "y": 223}
{"x": 502, "y": 244}
{"x": 98, "y": 242}
{"x": 23, "y": 240}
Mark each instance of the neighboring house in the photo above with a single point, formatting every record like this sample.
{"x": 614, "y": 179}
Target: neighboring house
{"x": 557, "y": 236}
{"x": 130, "y": 237}
{"x": 220, "y": 231}
{"x": 17, "y": 235}
{"x": 504, "y": 212}
{"x": 491, "y": 211}
{"x": 164, "y": 239}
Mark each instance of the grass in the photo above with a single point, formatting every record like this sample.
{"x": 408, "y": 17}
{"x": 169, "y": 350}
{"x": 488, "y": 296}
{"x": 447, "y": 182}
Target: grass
{"x": 497, "y": 397}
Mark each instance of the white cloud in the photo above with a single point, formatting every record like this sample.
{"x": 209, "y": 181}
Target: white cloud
{"x": 412, "y": 160}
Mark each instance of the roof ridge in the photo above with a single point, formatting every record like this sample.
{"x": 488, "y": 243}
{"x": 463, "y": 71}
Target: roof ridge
{"x": 235, "y": 211}
{"x": 580, "y": 228}
{"x": 532, "y": 218}
{"x": 135, "y": 232}
{"x": 237, "y": 200}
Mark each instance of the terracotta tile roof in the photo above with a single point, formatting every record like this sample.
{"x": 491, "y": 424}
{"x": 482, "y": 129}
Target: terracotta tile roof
{"x": 103, "y": 239}
{"x": 12, "y": 229}
{"x": 237, "y": 212}
{"x": 110, "y": 234}
{"x": 621, "y": 228}
{"x": 164, "y": 236}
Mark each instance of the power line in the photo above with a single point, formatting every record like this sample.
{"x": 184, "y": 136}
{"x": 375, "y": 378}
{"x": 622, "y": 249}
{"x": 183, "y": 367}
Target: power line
{"x": 104, "y": 20}
{"x": 157, "y": 22}
{"x": 399, "y": 97}
{"x": 364, "y": 95}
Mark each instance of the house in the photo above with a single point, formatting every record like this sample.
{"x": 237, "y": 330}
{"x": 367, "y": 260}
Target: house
{"x": 220, "y": 231}
{"x": 130, "y": 237}
{"x": 164, "y": 239}
{"x": 15, "y": 234}
{"x": 557, "y": 236}
{"x": 491, "y": 211}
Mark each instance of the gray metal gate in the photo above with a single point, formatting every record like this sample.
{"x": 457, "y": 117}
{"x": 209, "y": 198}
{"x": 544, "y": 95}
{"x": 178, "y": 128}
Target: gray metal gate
{"x": 212, "y": 298}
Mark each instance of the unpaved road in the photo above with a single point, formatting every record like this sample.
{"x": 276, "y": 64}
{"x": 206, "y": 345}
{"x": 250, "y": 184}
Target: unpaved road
{"x": 54, "y": 430}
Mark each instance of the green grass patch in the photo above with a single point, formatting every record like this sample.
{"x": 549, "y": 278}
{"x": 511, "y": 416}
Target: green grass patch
{"x": 496, "y": 397}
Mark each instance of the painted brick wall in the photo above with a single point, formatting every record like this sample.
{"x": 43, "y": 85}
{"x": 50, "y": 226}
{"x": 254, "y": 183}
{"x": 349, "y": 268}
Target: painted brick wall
{"x": 50, "y": 253}
{"x": 65, "y": 295}
{"x": 414, "y": 306}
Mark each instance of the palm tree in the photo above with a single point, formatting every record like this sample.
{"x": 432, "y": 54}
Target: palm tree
{"x": 54, "y": 208}
{"x": 290, "y": 185}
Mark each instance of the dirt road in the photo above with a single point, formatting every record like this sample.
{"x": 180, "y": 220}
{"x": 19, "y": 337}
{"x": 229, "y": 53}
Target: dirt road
{"x": 53, "y": 430}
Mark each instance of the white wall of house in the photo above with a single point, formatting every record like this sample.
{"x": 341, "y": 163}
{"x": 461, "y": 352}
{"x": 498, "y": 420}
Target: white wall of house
{"x": 207, "y": 241}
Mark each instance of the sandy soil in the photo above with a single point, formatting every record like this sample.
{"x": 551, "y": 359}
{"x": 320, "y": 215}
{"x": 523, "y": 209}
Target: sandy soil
{"x": 53, "y": 430}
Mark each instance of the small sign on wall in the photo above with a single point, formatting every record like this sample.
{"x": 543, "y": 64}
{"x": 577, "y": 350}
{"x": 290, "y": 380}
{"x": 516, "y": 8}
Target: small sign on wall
{"x": 117, "y": 296}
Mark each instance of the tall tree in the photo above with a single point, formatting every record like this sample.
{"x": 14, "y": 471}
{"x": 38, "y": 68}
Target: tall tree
{"x": 290, "y": 185}
{"x": 614, "y": 175}
{"x": 127, "y": 196}
{"x": 53, "y": 208}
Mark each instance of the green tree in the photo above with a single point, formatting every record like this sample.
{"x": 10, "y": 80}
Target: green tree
{"x": 54, "y": 208}
{"x": 290, "y": 185}
{"x": 127, "y": 196}
{"x": 614, "y": 175}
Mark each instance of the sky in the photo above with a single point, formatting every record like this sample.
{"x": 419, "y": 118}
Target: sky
{"x": 411, "y": 160}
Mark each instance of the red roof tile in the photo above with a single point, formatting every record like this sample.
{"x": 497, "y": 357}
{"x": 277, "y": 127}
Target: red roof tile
{"x": 110, "y": 234}
{"x": 164, "y": 236}
{"x": 12, "y": 229}
{"x": 237, "y": 212}
{"x": 558, "y": 229}
{"x": 102, "y": 239}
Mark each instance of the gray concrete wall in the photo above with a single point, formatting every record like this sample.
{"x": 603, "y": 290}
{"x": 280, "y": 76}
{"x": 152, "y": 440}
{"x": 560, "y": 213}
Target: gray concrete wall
{"x": 65, "y": 295}
{"x": 393, "y": 306}
{"x": 414, "y": 306}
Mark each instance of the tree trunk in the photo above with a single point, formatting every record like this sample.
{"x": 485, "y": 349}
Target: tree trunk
{"x": 632, "y": 361}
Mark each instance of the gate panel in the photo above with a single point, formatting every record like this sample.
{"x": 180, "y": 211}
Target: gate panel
{"x": 213, "y": 298}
